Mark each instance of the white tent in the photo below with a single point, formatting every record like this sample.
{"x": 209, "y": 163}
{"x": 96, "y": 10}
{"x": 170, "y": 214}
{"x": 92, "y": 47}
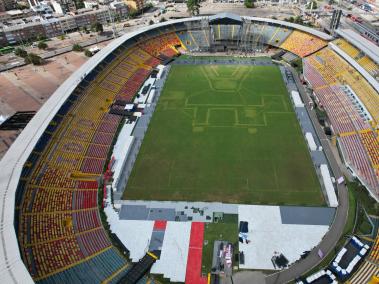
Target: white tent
{"x": 121, "y": 151}
{"x": 296, "y": 99}
{"x": 173, "y": 261}
{"x": 311, "y": 142}
{"x": 332, "y": 198}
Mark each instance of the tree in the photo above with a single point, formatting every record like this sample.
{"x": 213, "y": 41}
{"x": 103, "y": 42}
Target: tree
{"x": 132, "y": 13}
{"x": 151, "y": 22}
{"x": 20, "y": 52}
{"x": 299, "y": 20}
{"x": 290, "y": 19}
{"x": 149, "y": 6}
{"x": 77, "y": 47}
{"x": 79, "y": 4}
{"x": 42, "y": 45}
{"x": 249, "y": 4}
{"x": 193, "y": 7}
{"x": 97, "y": 27}
{"x": 33, "y": 59}
{"x": 328, "y": 131}
{"x": 84, "y": 30}
{"x": 312, "y": 5}
{"x": 41, "y": 37}
{"x": 163, "y": 19}
{"x": 87, "y": 53}
{"x": 21, "y": 6}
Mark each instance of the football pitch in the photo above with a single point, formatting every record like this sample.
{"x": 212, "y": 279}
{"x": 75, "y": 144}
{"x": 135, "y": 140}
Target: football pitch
{"x": 224, "y": 133}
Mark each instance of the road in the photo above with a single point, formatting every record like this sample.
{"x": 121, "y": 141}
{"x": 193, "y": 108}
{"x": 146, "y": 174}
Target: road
{"x": 59, "y": 50}
{"x": 239, "y": 9}
{"x": 335, "y": 232}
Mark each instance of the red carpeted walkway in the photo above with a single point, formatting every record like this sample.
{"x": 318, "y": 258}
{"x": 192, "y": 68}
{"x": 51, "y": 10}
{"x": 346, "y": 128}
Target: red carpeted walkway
{"x": 193, "y": 272}
{"x": 160, "y": 225}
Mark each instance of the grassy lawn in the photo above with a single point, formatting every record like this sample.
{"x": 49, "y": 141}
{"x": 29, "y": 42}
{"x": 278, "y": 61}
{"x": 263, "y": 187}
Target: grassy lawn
{"x": 225, "y": 133}
{"x": 225, "y": 231}
{"x": 348, "y": 230}
{"x": 205, "y": 57}
{"x": 365, "y": 201}
{"x": 364, "y": 198}
{"x": 357, "y": 194}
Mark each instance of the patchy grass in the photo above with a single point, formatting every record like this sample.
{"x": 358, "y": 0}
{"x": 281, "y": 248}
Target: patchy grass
{"x": 227, "y": 230}
{"x": 225, "y": 133}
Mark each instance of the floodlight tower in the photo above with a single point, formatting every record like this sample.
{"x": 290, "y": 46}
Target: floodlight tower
{"x": 335, "y": 22}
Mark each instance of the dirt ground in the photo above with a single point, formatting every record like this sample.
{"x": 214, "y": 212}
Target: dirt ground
{"x": 28, "y": 87}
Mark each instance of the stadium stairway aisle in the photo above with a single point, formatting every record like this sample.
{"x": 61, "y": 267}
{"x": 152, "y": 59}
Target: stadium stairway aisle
{"x": 59, "y": 229}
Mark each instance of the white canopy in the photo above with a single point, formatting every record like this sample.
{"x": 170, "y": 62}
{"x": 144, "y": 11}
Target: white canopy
{"x": 296, "y": 99}
{"x": 121, "y": 150}
{"x": 331, "y": 194}
{"x": 311, "y": 142}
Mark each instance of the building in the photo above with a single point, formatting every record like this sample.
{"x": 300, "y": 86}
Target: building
{"x": 28, "y": 29}
{"x": 86, "y": 17}
{"x": 52, "y": 28}
{"x": 33, "y": 3}
{"x": 91, "y": 4}
{"x": 119, "y": 10}
{"x": 23, "y": 33}
{"x": 263, "y": 2}
{"x": 2, "y": 6}
{"x": 136, "y": 5}
{"x": 42, "y": 7}
{"x": 16, "y": 14}
{"x": 68, "y": 24}
{"x": 3, "y": 39}
{"x": 6, "y": 5}
{"x": 104, "y": 2}
{"x": 63, "y": 6}
{"x": 57, "y": 7}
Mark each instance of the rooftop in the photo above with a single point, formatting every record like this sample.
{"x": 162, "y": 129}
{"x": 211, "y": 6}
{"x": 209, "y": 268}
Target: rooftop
{"x": 369, "y": 48}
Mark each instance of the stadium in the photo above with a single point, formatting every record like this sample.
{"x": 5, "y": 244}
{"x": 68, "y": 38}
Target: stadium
{"x": 190, "y": 150}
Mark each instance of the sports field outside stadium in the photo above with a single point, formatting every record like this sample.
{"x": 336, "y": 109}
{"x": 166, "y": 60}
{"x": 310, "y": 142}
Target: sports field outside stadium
{"x": 225, "y": 133}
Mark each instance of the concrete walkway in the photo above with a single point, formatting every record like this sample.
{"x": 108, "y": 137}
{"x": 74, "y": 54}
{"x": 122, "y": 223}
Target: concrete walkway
{"x": 53, "y": 53}
{"x": 331, "y": 238}
{"x": 23, "y": 86}
{"x": 246, "y": 277}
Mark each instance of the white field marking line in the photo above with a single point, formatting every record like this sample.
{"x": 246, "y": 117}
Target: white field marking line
{"x": 207, "y": 78}
{"x": 186, "y": 104}
{"x": 275, "y": 175}
{"x": 209, "y": 110}
{"x": 193, "y": 109}
{"x": 243, "y": 79}
{"x": 237, "y": 124}
{"x": 170, "y": 174}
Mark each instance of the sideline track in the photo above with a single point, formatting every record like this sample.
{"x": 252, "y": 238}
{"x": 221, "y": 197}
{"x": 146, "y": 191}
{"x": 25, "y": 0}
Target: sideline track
{"x": 331, "y": 238}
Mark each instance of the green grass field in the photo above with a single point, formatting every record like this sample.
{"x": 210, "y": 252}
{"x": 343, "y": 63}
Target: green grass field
{"x": 225, "y": 230}
{"x": 225, "y": 133}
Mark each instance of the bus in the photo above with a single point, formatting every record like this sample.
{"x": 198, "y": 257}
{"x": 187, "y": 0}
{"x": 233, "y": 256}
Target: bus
{"x": 6, "y": 50}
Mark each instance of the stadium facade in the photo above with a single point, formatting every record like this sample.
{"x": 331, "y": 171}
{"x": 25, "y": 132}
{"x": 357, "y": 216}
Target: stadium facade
{"x": 50, "y": 225}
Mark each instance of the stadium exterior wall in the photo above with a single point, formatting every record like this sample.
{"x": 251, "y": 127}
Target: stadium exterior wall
{"x": 351, "y": 167}
{"x": 314, "y": 32}
{"x": 355, "y": 64}
{"x": 12, "y": 268}
{"x": 361, "y": 43}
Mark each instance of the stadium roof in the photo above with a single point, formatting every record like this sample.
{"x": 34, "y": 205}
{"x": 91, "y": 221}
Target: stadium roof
{"x": 225, "y": 19}
{"x": 356, "y": 65}
{"x": 362, "y": 43}
{"x": 306, "y": 29}
{"x": 12, "y": 268}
